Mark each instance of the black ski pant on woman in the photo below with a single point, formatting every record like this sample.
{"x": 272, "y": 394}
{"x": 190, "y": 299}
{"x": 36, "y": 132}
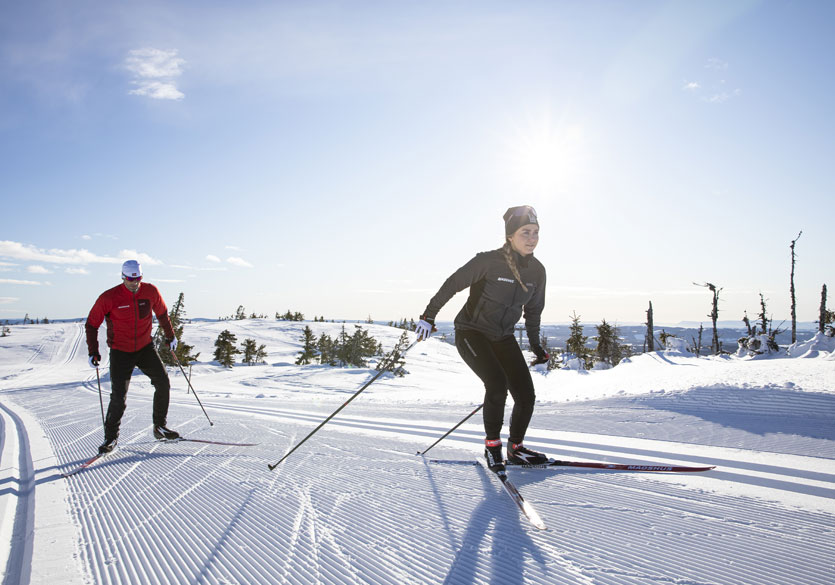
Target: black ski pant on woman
{"x": 122, "y": 364}
{"x": 502, "y": 367}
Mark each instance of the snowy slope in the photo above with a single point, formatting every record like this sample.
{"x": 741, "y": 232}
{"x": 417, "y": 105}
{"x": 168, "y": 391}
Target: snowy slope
{"x": 356, "y": 505}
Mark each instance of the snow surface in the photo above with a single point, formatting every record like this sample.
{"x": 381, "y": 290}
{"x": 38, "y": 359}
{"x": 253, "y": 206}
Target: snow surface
{"x": 356, "y": 505}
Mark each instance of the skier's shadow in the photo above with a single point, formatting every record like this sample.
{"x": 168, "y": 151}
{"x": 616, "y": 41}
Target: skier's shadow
{"x": 510, "y": 541}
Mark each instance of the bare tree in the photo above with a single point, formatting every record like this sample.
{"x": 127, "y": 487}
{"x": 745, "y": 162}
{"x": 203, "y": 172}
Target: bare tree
{"x": 650, "y": 338}
{"x": 791, "y": 290}
{"x": 697, "y": 344}
{"x": 714, "y": 315}
{"x": 822, "y": 318}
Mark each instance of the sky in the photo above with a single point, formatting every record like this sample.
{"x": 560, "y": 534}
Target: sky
{"x": 342, "y": 159}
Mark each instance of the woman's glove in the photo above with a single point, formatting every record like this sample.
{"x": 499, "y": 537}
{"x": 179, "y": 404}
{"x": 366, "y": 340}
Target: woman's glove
{"x": 425, "y": 327}
{"x": 542, "y": 356}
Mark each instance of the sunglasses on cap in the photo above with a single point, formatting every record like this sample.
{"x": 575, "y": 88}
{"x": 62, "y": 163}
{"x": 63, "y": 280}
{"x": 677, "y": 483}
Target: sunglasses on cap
{"x": 132, "y": 278}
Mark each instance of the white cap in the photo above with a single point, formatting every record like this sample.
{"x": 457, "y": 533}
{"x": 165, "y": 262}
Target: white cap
{"x": 132, "y": 269}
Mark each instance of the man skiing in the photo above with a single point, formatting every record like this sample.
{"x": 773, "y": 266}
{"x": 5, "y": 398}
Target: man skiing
{"x": 127, "y": 309}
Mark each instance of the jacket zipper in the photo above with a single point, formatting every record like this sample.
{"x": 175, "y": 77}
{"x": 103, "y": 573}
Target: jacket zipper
{"x": 135, "y": 321}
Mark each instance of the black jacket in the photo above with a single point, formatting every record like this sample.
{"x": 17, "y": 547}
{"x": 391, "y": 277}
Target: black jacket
{"x": 496, "y": 300}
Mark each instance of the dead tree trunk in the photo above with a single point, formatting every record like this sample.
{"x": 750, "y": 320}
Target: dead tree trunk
{"x": 650, "y": 338}
{"x": 714, "y": 316}
{"x": 791, "y": 290}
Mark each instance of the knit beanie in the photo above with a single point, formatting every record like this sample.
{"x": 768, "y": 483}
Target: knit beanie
{"x": 516, "y": 217}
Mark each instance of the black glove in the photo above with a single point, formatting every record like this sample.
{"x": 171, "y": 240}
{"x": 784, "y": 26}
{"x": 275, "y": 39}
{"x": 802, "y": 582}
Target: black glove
{"x": 542, "y": 356}
{"x": 95, "y": 360}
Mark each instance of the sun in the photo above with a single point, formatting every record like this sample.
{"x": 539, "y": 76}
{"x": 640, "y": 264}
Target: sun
{"x": 545, "y": 156}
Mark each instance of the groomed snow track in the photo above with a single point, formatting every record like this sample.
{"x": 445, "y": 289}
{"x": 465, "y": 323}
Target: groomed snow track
{"x": 355, "y": 505}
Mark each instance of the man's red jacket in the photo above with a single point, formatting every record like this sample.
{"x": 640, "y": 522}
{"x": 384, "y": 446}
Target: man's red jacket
{"x": 128, "y": 317}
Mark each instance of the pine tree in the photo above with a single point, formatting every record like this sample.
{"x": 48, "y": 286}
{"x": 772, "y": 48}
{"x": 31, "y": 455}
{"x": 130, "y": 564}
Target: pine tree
{"x": 576, "y": 343}
{"x": 225, "y": 349}
{"x": 608, "y": 350}
{"x": 308, "y": 352}
{"x": 326, "y": 350}
{"x": 177, "y": 316}
{"x": 253, "y": 353}
{"x": 240, "y": 314}
{"x": 394, "y": 361}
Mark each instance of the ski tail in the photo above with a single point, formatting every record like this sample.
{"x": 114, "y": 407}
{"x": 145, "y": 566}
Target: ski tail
{"x": 511, "y": 490}
{"x": 84, "y": 465}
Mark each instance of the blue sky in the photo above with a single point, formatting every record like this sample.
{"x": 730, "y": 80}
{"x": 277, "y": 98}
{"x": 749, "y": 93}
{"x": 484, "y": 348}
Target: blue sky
{"x": 343, "y": 158}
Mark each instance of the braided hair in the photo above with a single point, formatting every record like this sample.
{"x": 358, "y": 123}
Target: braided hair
{"x": 507, "y": 251}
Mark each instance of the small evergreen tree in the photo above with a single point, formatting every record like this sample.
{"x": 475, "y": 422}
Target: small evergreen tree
{"x": 608, "y": 344}
{"x": 394, "y": 361}
{"x": 225, "y": 349}
{"x": 576, "y": 343}
{"x": 326, "y": 350}
{"x": 357, "y": 348}
{"x": 253, "y": 353}
{"x": 308, "y": 352}
{"x": 176, "y": 315}
{"x": 240, "y": 314}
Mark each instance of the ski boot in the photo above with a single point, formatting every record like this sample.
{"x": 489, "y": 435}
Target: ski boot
{"x": 518, "y": 454}
{"x": 107, "y": 446}
{"x": 163, "y": 433}
{"x": 493, "y": 455}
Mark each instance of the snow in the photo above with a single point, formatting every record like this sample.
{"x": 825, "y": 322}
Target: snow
{"x": 356, "y": 505}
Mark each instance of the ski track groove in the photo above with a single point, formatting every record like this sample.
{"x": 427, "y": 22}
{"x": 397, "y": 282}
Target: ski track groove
{"x": 191, "y": 513}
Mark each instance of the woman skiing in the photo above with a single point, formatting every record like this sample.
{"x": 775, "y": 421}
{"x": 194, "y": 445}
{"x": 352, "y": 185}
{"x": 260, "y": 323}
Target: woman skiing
{"x": 504, "y": 284}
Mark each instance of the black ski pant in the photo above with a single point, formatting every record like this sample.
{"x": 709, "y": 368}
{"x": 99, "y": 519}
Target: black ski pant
{"x": 122, "y": 364}
{"x": 502, "y": 367}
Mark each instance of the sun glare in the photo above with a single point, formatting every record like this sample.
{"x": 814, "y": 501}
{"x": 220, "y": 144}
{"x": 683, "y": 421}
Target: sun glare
{"x": 544, "y": 156}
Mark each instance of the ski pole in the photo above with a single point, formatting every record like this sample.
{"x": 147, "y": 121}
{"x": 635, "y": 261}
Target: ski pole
{"x": 101, "y": 401}
{"x": 346, "y": 403}
{"x": 449, "y": 432}
{"x": 192, "y": 388}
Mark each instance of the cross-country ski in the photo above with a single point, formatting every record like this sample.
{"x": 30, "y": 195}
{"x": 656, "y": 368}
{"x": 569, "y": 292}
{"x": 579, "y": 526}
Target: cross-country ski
{"x": 527, "y": 510}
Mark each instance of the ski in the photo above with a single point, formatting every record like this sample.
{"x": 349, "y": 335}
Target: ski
{"x": 648, "y": 467}
{"x": 554, "y": 464}
{"x": 527, "y": 510}
{"x": 184, "y": 439}
{"x": 84, "y": 465}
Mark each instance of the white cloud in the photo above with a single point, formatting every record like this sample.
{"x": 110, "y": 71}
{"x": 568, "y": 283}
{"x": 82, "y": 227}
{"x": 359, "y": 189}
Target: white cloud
{"x": 77, "y": 271}
{"x": 37, "y": 269}
{"x": 692, "y": 85}
{"x": 86, "y": 237}
{"x": 29, "y": 253}
{"x": 157, "y": 90}
{"x": 213, "y": 258}
{"x": 22, "y": 282}
{"x": 234, "y": 248}
{"x": 18, "y": 251}
{"x": 8, "y": 300}
{"x": 234, "y": 260}
{"x": 154, "y": 72}
{"x": 139, "y": 256}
